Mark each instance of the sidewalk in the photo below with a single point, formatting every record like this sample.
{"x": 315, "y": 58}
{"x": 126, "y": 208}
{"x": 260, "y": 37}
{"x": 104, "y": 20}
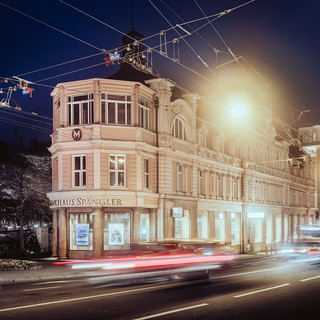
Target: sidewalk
{"x": 50, "y": 271}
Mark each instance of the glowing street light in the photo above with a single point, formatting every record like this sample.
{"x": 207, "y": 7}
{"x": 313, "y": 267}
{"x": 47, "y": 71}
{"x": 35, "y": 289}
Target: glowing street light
{"x": 238, "y": 111}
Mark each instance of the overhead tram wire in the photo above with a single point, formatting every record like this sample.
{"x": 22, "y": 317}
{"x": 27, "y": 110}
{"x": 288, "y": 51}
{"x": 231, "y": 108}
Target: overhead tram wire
{"x": 60, "y": 64}
{"x": 198, "y": 34}
{"x": 49, "y": 26}
{"x": 71, "y": 61}
{"x": 213, "y": 27}
{"x": 25, "y": 117}
{"x": 70, "y": 72}
{"x": 185, "y": 41}
{"x": 237, "y": 60}
{"x": 166, "y": 56}
{"x": 133, "y": 39}
{"x": 103, "y": 50}
{"x": 29, "y": 126}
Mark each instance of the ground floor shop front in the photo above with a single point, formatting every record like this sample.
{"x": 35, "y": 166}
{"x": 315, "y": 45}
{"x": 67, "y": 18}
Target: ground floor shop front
{"x": 90, "y": 229}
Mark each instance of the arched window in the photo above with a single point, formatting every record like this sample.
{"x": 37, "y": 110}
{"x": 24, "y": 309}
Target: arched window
{"x": 178, "y": 129}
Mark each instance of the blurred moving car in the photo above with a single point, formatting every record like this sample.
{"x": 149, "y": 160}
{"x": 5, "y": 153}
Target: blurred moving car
{"x": 167, "y": 259}
{"x": 308, "y": 243}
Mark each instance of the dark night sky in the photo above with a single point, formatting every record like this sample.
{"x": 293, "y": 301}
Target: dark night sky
{"x": 278, "y": 39}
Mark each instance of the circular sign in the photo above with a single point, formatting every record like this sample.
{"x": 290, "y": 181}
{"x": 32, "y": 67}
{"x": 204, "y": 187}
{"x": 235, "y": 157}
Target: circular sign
{"x": 76, "y": 134}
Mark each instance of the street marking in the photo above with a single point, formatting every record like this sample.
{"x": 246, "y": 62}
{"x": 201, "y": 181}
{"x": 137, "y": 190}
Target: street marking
{"x": 172, "y": 311}
{"x": 262, "y": 290}
{"x": 45, "y": 288}
{"x": 249, "y": 272}
{"x": 49, "y": 282}
{"x": 99, "y": 296}
{"x": 310, "y": 278}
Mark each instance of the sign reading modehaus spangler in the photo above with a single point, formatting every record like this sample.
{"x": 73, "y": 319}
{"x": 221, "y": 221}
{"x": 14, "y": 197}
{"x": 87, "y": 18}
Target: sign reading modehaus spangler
{"x": 81, "y": 202}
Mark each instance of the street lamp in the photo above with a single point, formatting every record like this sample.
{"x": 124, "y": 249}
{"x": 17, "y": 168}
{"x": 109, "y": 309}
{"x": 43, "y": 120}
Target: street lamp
{"x": 238, "y": 111}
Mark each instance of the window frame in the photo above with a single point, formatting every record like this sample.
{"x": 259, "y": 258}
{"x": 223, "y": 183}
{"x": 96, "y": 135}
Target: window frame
{"x": 71, "y": 102}
{"x": 179, "y": 129}
{"x": 109, "y": 98}
{"x": 82, "y": 171}
{"x": 146, "y": 173}
{"x": 180, "y": 178}
{"x": 117, "y": 171}
{"x": 144, "y": 111}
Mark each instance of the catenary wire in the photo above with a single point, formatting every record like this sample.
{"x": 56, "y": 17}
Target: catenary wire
{"x": 54, "y": 28}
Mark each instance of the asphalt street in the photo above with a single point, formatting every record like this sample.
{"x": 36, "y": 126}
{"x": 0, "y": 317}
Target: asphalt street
{"x": 253, "y": 289}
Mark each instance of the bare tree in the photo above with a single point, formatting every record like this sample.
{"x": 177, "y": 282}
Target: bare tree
{"x": 26, "y": 188}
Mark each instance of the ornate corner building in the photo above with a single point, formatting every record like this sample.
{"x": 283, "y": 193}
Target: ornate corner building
{"x": 136, "y": 162}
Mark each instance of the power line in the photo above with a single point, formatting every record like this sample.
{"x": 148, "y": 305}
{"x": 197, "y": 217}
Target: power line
{"x": 60, "y": 64}
{"x": 186, "y": 42}
{"x": 54, "y": 28}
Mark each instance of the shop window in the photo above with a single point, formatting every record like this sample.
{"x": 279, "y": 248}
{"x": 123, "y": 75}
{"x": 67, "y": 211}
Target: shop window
{"x": 182, "y": 226}
{"x": 115, "y": 109}
{"x": 144, "y": 227}
{"x": 286, "y": 227}
{"x": 269, "y": 229}
{"x": 80, "y": 109}
{"x": 220, "y": 227}
{"x": 235, "y": 228}
{"x": 257, "y": 230}
{"x": 144, "y": 114}
{"x": 278, "y": 228}
{"x": 116, "y": 231}
{"x": 81, "y": 231}
{"x": 117, "y": 171}
{"x": 203, "y": 226}
{"x": 146, "y": 174}
{"x": 79, "y": 171}
{"x": 178, "y": 129}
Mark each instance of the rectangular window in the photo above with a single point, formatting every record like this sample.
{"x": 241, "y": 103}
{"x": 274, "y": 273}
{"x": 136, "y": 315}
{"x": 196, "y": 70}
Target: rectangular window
{"x": 144, "y": 114}
{"x": 146, "y": 173}
{"x": 180, "y": 178}
{"x": 79, "y": 171}
{"x": 80, "y": 109}
{"x": 219, "y": 227}
{"x": 235, "y": 188}
{"x": 116, "y": 230}
{"x": 235, "y": 228}
{"x": 219, "y": 185}
{"x": 115, "y": 109}
{"x": 144, "y": 227}
{"x": 117, "y": 171}
{"x": 202, "y": 226}
{"x": 201, "y": 182}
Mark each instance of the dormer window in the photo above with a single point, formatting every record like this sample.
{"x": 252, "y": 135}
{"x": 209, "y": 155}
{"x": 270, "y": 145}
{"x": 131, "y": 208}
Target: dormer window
{"x": 179, "y": 130}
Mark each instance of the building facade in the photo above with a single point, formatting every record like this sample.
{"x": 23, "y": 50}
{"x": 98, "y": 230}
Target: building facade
{"x": 134, "y": 162}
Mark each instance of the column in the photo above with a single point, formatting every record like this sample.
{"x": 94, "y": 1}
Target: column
{"x": 62, "y": 243}
{"x": 153, "y": 225}
{"x": 136, "y": 225}
{"x": 228, "y": 228}
{"x": 97, "y": 233}
{"x": 54, "y": 244}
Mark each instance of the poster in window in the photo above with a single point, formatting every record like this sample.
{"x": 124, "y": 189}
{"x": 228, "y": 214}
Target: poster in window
{"x": 82, "y": 234}
{"x": 116, "y": 234}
